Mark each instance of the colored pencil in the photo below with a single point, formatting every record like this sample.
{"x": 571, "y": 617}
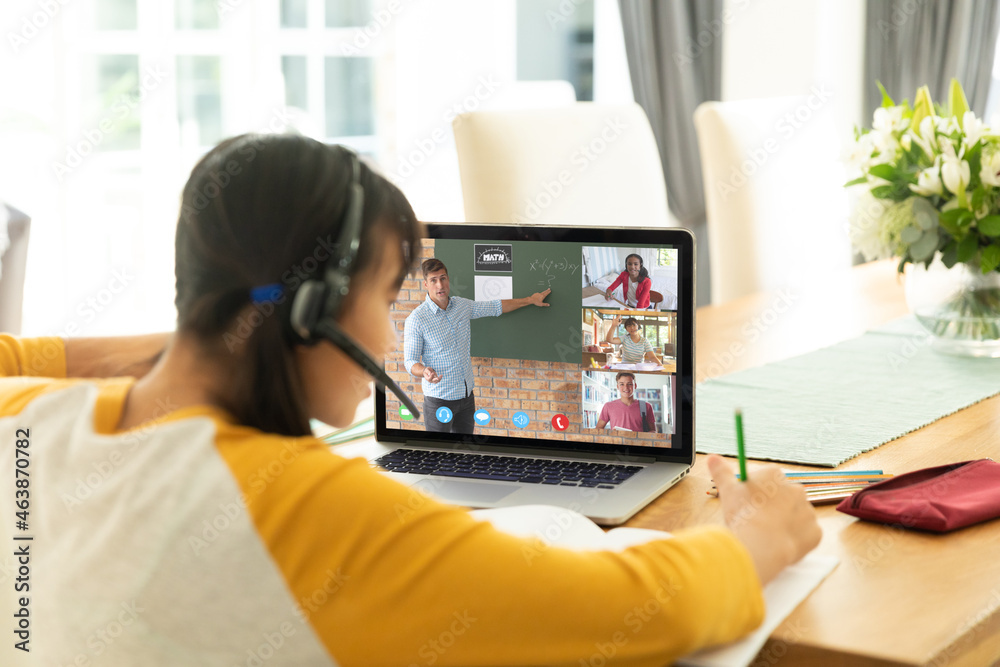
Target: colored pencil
{"x": 739, "y": 445}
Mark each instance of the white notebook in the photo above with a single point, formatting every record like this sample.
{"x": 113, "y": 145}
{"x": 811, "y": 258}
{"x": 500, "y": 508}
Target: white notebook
{"x": 565, "y": 528}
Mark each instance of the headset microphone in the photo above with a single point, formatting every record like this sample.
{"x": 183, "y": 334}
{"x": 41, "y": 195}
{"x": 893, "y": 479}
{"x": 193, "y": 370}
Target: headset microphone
{"x": 317, "y": 302}
{"x": 327, "y": 329}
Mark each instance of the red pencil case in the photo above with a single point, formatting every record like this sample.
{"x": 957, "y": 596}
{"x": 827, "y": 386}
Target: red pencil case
{"x": 938, "y": 499}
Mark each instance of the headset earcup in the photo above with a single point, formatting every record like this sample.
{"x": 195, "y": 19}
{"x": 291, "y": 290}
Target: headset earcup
{"x": 307, "y": 308}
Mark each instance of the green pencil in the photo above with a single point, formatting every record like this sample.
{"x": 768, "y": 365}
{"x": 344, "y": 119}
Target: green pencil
{"x": 739, "y": 445}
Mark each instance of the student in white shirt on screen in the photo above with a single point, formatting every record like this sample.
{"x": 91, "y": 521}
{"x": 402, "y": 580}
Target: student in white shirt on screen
{"x": 635, "y": 283}
{"x": 635, "y": 347}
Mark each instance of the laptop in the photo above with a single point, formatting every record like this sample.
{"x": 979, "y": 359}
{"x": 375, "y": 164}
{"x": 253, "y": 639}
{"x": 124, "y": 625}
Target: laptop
{"x": 564, "y": 415}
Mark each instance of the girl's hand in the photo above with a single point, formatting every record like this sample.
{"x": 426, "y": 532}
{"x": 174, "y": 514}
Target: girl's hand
{"x": 769, "y": 514}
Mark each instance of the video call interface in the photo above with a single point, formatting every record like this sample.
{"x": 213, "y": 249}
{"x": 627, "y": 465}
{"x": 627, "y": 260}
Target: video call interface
{"x": 596, "y": 364}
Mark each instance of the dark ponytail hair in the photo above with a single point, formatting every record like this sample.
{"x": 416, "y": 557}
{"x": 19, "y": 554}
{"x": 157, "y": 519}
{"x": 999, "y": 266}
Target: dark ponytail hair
{"x": 643, "y": 273}
{"x": 265, "y": 209}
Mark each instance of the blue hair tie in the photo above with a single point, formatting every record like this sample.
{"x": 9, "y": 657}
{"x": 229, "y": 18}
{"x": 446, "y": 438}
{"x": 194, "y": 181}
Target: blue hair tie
{"x": 266, "y": 293}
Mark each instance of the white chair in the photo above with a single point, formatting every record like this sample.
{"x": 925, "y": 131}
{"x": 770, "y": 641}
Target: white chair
{"x": 13, "y": 261}
{"x": 774, "y": 196}
{"x": 584, "y": 164}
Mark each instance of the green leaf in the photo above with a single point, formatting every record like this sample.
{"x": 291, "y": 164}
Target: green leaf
{"x": 910, "y": 234}
{"x": 895, "y": 192}
{"x": 952, "y": 215}
{"x": 922, "y": 107}
{"x": 956, "y": 221}
{"x": 886, "y": 171}
{"x": 978, "y": 194}
{"x": 990, "y": 258}
{"x": 886, "y": 100}
{"x": 966, "y": 248}
{"x": 990, "y": 225}
{"x": 924, "y": 247}
{"x": 949, "y": 254}
{"x": 925, "y": 217}
{"x": 857, "y": 181}
{"x": 957, "y": 104}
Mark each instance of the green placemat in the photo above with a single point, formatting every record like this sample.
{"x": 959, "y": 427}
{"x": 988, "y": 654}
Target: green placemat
{"x": 830, "y": 405}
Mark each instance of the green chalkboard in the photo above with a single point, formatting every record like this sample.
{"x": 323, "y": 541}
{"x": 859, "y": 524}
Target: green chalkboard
{"x": 531, "y": 332}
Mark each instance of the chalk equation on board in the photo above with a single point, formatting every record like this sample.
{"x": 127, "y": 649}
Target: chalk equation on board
{"x": 549, "y": 265}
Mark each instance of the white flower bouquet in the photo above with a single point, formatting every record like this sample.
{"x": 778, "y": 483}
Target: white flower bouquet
{"x": 931, "y": 179}
{"x": 934, "y": 174}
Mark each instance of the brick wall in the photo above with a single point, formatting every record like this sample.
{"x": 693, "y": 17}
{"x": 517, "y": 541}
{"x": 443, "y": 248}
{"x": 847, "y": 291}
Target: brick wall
{"x": 504, "y": 386}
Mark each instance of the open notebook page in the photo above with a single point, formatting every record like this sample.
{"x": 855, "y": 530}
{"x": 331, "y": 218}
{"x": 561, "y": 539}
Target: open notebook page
{"x": 558, "y": 526}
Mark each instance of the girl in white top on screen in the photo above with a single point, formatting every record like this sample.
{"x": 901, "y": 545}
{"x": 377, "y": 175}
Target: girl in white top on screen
{"x": 635, "y": 283}
{"x": 635, "y": 347}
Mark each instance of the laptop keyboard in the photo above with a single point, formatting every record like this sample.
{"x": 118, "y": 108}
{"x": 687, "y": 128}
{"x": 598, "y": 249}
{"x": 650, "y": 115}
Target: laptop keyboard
{"x": 507, "y": 468}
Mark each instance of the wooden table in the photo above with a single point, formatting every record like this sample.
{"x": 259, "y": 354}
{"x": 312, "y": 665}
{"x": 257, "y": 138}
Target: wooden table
{"x": 897, "y": 597}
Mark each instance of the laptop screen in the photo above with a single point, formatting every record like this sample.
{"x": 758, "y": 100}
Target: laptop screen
{"x": 569, "y": 338}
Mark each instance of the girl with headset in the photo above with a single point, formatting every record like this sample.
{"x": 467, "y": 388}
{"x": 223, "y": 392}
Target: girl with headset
{"x": 181, "y": 498}
{"x": 635, "y": 283}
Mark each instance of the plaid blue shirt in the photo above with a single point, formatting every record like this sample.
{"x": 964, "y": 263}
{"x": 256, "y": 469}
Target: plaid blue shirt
{"x": 442, "y": 339}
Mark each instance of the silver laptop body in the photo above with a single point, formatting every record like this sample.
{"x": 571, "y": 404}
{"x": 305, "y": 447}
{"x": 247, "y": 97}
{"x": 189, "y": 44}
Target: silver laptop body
{"x": 635, "y": 468}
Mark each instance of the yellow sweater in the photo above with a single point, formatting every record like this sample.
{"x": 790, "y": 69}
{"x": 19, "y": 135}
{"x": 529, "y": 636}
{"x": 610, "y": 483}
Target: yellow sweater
{"x": 194, "y": 540}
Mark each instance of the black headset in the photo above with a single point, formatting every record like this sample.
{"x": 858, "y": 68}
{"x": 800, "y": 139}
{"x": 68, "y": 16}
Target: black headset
{"x": 317, "y": 302}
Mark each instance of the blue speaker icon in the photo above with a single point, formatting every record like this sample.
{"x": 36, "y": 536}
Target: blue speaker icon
{"x": 520, "y": 419}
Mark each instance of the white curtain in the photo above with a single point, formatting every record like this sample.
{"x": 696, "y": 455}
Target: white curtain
{"x": 649, "y": 258}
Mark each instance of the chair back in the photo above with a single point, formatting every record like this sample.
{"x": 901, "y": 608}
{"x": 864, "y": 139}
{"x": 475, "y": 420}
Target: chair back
{"x": 774, "y": 195}
{"x": 655, "y": 299}
{"x": 13, "y": 263}
{"x": 581, "y": 164}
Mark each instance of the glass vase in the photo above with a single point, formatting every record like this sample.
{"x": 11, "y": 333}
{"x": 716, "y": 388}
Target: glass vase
{"x": 960, "y": 307}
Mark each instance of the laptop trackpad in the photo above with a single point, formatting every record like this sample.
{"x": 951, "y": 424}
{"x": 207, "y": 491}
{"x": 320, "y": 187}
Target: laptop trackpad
{"x": 465, "y": 493}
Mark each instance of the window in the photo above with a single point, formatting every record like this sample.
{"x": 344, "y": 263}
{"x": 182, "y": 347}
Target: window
{"x": 666, "y": 257}
{"x": 126, "y": 95}
{"x": 556, "y": 42}
{"x": 154, "y": 85}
